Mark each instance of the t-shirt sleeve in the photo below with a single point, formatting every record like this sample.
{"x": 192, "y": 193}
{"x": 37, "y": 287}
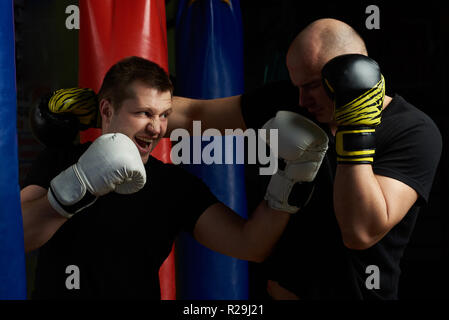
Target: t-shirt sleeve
{"x": 50, "y": 162}
{"x": 41, "y": 172}
{"x": 193, "y": 197}
{"x": 412, "y": 157}
{"x": 261, "y": 104}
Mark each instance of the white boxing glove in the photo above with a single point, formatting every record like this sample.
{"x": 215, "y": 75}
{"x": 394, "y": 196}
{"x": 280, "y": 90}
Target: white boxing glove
{"x": 111, "y": 163}
{"x": 302, "y": 145}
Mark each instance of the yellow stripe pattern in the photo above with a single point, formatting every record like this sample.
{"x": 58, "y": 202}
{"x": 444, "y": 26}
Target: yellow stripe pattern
{"x": 81, "y": 102}
{"x": 365, "y": 109}
{"x": 367, "y": 160}
{"x": 353, "y": 156}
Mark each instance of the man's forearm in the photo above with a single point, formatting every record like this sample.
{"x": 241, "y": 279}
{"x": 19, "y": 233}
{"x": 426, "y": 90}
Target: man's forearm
{"x": 221, "y": 114}
{"x": 40, "y": 222}
{"x": 360, "y": 206}
{"x": 263, "y": 230}
{"x": 221, "y": 229}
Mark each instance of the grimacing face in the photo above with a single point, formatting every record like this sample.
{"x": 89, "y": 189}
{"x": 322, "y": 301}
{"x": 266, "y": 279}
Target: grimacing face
{"x": 143, "y": 118}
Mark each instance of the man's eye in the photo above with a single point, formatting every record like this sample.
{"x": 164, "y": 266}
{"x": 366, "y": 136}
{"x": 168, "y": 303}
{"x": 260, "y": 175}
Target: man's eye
{"x": 165, "y": 114}
{"x": 312, "y": 85}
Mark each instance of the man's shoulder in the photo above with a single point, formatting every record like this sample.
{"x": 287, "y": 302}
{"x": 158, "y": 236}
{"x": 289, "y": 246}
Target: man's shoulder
{"x": 51, "y": 161}
{"x": 169, "y": 175}
{"x": 401, "y": 113}
{"x": 153, "y": 163}
{"x": 400, "y": 106}
{"x": 157, "y": 167}
{"x": 66, "y": 149}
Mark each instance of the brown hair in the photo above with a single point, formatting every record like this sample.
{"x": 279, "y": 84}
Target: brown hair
{"x": 116, "y": 82}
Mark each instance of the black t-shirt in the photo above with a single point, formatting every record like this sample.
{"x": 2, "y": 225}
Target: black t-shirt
{"x": 310, "y": 259}
{"x": 119, "y": 243}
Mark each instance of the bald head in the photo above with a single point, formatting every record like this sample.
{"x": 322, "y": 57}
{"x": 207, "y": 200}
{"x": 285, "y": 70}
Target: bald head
{"x": 318, "y": 43}
{"x": 323, "y": 40}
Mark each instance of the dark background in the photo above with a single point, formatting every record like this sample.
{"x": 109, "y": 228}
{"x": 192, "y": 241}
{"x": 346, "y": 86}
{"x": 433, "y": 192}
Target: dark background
{"x": 411, "y": 47}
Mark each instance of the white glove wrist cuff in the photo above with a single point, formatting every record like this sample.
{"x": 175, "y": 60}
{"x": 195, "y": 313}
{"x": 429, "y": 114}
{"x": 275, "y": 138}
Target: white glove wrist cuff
{"x": 278, "y": 191}
{"x": 68, "y": 194}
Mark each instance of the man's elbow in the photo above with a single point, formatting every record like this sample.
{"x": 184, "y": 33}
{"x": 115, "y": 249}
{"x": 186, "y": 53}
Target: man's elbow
{"x": 360, "y": 240}
{"x": 29, "y": 249}
{"x": 258, "y": 259}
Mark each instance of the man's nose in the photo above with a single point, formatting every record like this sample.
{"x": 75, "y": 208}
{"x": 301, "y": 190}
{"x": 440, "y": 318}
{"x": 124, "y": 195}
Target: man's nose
{"x": 302, "y": 97}
{"x": 154, "y": 126}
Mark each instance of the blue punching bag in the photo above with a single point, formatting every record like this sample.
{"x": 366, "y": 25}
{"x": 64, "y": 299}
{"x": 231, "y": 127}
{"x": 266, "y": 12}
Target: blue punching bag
{"x": 12, "y": 255}
{"x": 209, "y": 64}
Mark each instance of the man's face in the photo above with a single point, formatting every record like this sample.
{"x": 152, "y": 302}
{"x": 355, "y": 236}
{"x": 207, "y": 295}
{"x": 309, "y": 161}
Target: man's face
{"x": 142, "y": 118}
{"x": 306, "y": 75}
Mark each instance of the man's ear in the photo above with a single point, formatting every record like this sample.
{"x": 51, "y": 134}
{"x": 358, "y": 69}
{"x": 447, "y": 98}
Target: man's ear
{"x": 106, "y": 111}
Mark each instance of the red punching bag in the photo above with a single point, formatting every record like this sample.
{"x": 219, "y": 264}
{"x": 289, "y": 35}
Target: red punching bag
{"x": 111, "y": 30}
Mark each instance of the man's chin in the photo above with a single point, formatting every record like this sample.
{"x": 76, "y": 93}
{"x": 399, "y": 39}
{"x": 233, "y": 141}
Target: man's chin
{"x": 323, "y": 118}
{"x": 145, "y": 158}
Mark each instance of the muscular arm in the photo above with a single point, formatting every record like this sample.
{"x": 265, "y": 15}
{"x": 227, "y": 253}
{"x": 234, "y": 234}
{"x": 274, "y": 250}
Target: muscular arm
{"x": 40, "y": 220}
{"x": 221, "y": 114}
{"x": 367, "y": 206}
{"x": 222, "y": 230}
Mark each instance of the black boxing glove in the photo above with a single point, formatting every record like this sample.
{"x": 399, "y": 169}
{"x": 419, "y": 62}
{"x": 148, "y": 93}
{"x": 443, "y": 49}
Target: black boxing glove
{"x": 52, "y": 129}
{"x": 82, "y": 102}
{"x": 60, "y": 115}
{"x": 357, "y": 87}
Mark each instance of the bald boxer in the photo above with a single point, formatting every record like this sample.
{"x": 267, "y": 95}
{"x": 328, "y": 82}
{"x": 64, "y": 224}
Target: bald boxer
{"x": 111, "y": 211}
{"x": 349, "y": 239}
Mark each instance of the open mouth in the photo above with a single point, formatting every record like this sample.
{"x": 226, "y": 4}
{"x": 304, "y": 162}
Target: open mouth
{"x": 143, "y": 144}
